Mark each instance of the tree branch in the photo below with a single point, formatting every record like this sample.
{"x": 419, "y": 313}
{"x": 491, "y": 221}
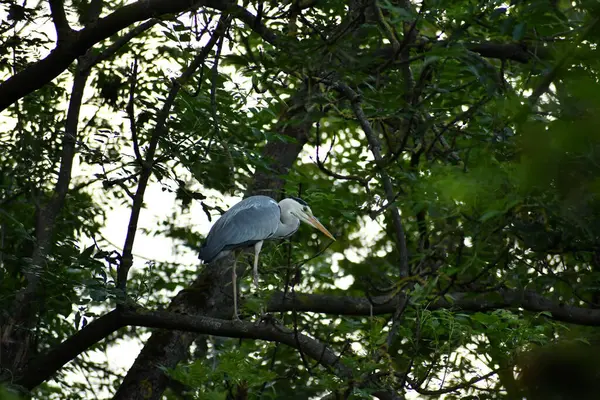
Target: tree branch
{"x": 119, "y": 43}
{"x": 210, "y": 293}
{"x": 464, "y": 117}
{"x": 375, "y": 147}
{"x": 364, "y": 181}
{"x": 63, "y": 30}
{"x": 519, "y": 52}
{"x": 415, "y": 386}
{"x": 43, "y": 71}
{"x": 549, "y": 77}
{"x": 239, "y": 329}
{"x": 130, "y": 109}
{"x": 465, "y": 301}
{"x": 148, "y": 163}
{"x": 43, "y": 367}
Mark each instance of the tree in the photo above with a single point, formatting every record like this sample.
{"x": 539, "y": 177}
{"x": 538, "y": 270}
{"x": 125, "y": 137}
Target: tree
{"x": 462, "y": 133}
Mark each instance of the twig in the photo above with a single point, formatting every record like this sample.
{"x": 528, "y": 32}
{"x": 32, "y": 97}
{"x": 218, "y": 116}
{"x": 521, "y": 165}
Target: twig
{"x": 213, "y": 89}
{"x": 271, "y": 366}
{"x": 504, "y": 253}
{"x": 416, "y": 349}
{"x": 402, "y": 48}
{"x": 466, "y": 115}
{"x": 400, "y": 236}
{"x": 396, "y": 318}
{"x": 385, "y": 27}
{"x": 131, "y": 112}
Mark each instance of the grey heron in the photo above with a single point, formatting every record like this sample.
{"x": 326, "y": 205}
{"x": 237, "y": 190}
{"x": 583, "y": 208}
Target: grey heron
{"x": 249, "y": 223}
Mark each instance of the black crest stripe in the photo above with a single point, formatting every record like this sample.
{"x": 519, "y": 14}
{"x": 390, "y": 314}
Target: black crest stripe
{"x": 299, "y": 200}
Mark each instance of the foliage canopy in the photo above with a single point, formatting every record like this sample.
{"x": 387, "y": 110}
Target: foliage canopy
{"x": 450, "y": 146}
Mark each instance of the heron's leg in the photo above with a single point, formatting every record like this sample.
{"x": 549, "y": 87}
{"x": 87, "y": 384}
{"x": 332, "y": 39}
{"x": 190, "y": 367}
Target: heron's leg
{"x": 257, "y": 248}
{"x": 234, "y": 285}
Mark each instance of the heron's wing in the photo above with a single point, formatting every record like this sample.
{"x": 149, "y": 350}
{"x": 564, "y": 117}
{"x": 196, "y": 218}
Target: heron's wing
{"x": 249, "y": 221}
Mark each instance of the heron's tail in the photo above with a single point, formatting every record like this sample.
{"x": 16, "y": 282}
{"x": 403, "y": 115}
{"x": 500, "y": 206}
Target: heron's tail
{"x": 201, "y": 253}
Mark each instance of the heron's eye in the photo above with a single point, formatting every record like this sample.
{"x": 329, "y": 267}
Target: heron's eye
{"x": 305, "y": 209}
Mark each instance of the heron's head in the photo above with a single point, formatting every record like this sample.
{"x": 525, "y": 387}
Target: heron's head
{"x": 298, "y": 208}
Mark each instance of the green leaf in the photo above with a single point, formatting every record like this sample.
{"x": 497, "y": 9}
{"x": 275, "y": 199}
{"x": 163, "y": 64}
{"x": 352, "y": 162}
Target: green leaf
{"x": 490, "y": 214}
{"x": 87, "y": 252}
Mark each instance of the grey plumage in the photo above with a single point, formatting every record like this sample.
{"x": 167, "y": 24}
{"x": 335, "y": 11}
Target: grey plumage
{"x": 251, "y": 220}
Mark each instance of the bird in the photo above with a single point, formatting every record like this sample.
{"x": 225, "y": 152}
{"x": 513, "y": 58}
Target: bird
{"x": 249, "y": 223}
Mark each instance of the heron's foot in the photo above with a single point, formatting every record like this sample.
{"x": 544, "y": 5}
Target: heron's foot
{"x": 236, "y": 316}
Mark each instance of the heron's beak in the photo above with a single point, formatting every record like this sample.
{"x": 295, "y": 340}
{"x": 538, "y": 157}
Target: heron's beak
{"x": 315, "y": 222}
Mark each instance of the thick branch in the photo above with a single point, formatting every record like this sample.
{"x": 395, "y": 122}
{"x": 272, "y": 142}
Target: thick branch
{"x": 505, "y": 298}
{"x": 15, "y": 332}
{"x": 45, "y": 366}
{"x": 45, "y": 70}
{"x": 238, "y": 329}
{"x": 506, "y": 51}
{"x": 519, "y": 52}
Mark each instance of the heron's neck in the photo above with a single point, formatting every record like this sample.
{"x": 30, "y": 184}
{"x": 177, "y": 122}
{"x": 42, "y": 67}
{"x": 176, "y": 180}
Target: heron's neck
{"x": 288, "y": 224}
